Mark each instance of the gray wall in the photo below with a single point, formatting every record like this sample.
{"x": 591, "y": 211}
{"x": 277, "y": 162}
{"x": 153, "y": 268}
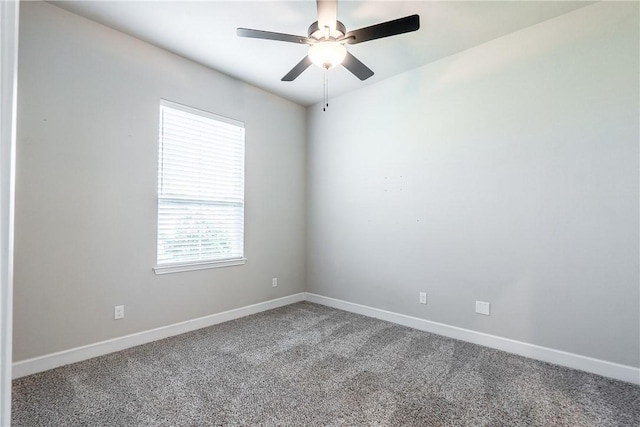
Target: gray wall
{"x": 507, "y": 173}
{"x": 86, "y": 186}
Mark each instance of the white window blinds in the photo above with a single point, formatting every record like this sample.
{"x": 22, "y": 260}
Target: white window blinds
{"x": 200, "y": 187}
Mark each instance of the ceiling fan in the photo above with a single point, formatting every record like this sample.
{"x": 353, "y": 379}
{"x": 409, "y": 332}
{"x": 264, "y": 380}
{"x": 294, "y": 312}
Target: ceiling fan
{"x": 327, "y": 38}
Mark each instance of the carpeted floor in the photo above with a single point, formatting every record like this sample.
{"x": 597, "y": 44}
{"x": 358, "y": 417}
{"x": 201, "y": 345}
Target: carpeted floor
{"x": 307, "y": 364}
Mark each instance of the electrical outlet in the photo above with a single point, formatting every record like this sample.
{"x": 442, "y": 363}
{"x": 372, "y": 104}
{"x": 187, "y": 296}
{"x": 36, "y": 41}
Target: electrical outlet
{"x": 118, "y": 312}
{"x": 483, "y": 308}
{"x": 423, "y": 297}
{"x": 274, "y": 282}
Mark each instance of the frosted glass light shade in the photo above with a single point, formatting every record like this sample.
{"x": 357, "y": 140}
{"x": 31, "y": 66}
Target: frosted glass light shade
{"x": 327, "y": 54}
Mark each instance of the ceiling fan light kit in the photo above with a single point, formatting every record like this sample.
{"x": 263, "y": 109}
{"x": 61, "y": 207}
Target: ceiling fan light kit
{"x": 327, "y": 38}
{"x": 327, "y": 54}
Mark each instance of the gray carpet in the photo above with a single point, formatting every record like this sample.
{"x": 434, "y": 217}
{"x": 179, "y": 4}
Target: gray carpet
{"x": 306, "y": 364}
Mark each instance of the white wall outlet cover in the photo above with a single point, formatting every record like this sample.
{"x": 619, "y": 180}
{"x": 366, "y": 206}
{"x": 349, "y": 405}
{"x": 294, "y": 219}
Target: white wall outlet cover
{"x": 423, "y": 297}
{"x": 483, "y": 308}
{"x": 118, "y": 312}
{"x": 274, "y": 282}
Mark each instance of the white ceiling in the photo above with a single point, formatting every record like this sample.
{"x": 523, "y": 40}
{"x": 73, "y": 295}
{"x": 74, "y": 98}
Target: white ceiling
{"x": 205, "y": 31}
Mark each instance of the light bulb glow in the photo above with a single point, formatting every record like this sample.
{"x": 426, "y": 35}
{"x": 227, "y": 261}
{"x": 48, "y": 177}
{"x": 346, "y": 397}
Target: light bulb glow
{"x": 327, "y": 54}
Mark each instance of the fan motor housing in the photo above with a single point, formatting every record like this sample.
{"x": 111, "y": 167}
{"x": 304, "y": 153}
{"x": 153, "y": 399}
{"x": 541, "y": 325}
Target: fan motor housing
{"x": 315, "y": 32}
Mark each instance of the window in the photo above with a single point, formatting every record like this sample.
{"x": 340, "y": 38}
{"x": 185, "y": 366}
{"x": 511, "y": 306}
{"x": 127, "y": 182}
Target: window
{"x": 200, "y": 190}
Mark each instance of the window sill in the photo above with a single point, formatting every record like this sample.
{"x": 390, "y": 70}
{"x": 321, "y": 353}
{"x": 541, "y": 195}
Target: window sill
{"x": 179, "y": 268}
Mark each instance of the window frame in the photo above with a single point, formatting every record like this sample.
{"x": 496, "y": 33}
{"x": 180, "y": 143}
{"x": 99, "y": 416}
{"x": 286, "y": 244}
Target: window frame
{"x": 182, "y": 266}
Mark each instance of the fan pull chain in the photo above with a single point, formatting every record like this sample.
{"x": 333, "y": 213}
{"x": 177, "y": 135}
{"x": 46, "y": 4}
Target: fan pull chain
{"x": 326, "y": 90}
{"x": 326, "y": 73}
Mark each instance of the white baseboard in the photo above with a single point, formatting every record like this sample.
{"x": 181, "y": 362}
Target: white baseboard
{"x": 54, "y": 360}
{"x": 600, "y": 367}
{"x": 595, "y": 366}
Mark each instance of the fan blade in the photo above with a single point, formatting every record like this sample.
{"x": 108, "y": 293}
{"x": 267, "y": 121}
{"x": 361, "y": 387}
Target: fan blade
{"x": 384, "y": 29}
{"x": 327, "y": 14}
{"x": 297, "y": 70}
{"x": 268, "y": 35}
{"x": 354, "y": 65}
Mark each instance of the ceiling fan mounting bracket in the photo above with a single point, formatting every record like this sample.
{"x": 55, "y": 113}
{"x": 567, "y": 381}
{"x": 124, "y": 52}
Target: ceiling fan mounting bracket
{"x": 317, "y": 33}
